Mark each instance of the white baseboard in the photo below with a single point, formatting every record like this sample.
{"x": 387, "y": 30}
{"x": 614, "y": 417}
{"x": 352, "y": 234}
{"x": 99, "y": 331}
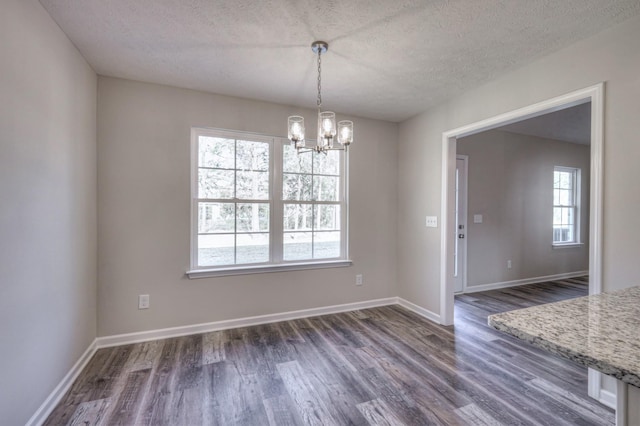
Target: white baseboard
{"x": 419, "y": 310}
{"x": 597, "y": 391}
{"x": 143, "y": 336}
{"x": 525, "y": 281}
{"x": 123, "y": 339}
{"x": 54, "y": 397}
{"x": 608, "y": 398}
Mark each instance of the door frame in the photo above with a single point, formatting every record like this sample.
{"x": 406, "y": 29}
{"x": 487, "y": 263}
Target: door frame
{"x": 593, "y": 94}
{"x": 465, "y": 158}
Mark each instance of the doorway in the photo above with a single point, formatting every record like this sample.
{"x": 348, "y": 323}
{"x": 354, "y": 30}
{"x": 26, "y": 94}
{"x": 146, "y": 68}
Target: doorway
{"x": 520, "y": 231}
{"x": 593, "y": 94}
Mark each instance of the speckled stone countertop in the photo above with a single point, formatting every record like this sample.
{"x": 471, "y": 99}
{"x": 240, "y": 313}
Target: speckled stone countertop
{"x": 601, "y": 331}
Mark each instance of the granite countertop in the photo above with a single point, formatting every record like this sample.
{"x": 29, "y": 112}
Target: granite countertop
{"x": 601, "y": 331}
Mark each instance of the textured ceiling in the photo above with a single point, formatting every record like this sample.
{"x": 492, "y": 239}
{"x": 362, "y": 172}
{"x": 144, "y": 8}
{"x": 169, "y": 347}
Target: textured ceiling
{"x": 569, "y": 125}
{"x": 387, "y": 59}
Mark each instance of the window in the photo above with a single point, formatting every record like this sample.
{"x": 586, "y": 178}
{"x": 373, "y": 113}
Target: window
{"x": 312, "y": 201}
{"x": 566, "y": 205}
{"x": 257, "y": 204}
{"x": 233, "y": 201}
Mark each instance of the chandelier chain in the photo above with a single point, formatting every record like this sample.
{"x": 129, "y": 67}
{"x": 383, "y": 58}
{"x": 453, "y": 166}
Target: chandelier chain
{"x": 319, "y": 79}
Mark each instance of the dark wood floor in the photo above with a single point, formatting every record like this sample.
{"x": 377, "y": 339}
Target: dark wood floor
{"x": 382, "y": 366}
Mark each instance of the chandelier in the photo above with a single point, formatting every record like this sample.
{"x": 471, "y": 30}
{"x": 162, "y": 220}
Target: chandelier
{"x": 327, "y": 129}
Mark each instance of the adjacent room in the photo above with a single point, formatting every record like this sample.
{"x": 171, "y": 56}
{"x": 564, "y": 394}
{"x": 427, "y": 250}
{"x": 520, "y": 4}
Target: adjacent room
{"x": 246, "y": 213}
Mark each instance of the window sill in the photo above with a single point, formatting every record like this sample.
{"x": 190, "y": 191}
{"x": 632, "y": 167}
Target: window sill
{"x": 567, "y": 245}
{"x": 261, "y": 269}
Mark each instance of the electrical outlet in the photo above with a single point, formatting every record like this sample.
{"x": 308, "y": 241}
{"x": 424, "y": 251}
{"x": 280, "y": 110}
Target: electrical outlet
{"x": 359, "y": 279}
{"x": 143, "y": 301}
{"x": 508, "y": 264}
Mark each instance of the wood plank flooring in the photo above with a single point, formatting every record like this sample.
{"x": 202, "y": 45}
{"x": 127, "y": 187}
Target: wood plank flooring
{"x": 381, "y": 366}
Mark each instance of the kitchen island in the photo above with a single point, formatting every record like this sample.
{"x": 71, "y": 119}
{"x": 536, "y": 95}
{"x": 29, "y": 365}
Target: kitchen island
{"x": 600, "y": 331}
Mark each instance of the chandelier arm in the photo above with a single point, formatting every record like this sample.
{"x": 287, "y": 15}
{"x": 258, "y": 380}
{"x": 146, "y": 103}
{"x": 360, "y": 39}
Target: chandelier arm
{"x": 325, "y": 150}
{"x": 302, "y": 149}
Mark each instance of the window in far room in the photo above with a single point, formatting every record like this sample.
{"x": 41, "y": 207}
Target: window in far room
{"x": 566, "y": 205}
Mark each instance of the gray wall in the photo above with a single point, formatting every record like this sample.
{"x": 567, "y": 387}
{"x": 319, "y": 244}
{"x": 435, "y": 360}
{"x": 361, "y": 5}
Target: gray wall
{"x": 144, "y": 203}
{"x": 611, "y": 56}
{"x": 47, "y": 207}
{"x": 511, "y": 184}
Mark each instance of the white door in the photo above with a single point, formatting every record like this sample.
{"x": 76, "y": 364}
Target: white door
{"x": 460, "y": 245}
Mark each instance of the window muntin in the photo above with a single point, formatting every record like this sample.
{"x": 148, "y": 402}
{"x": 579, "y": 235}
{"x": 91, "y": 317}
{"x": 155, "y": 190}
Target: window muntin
{"x": 566, "y": 201}
{"x": 246, "y": 214}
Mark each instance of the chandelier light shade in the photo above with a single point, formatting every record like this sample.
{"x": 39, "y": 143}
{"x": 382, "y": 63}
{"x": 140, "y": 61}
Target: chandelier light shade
{"x": 345, "y": 132}
{"x": 296, "y": 131}
{"x": 328, "y": 131}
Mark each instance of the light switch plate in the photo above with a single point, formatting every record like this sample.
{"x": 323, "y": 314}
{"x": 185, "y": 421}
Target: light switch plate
{"x": 143, "y": 301}
{"x": 477, "y": 218}
{"x": 432, "y": 222}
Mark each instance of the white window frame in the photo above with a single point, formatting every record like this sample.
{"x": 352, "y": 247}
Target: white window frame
{"x": 577, "y": 179}
{"x": 276, "y": 211}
